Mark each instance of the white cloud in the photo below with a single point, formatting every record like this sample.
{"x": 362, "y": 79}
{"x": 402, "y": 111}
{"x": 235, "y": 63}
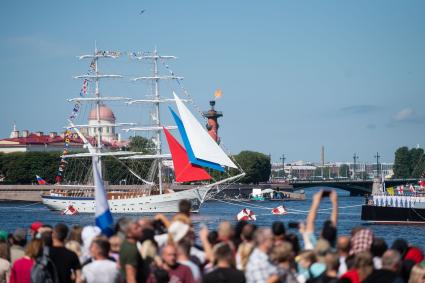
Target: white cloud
{"x": 404, "y": 114}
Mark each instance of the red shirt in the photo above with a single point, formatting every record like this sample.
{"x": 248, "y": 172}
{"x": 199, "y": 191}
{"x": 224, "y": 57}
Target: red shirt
{"x": 21, "y": 270}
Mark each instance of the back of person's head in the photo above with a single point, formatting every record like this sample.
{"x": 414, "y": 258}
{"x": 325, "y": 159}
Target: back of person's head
{"x": 379, "y": 246}
{"x": 225, "y": 230}
{"x": 307, "y": 258}
{"x": 248, "y": 232}
{"x": 212, "y": 237}
{"x": 46, "y": 236}
{"x": 60, "y": 232}
{"x": 121, "y": 226}
{"x": 329, "y": 232}
{"x": 349, "y": 261}
{"x": 185, "y": 206}
{"x": 223, "y": 253}
{"x": 134, "y": 231}
{"x": 343, "y": 245}
{"x": 184, "y": 246}
{"x": 295, "y": 242}
{"x": 401, "y": 246}
{"x": 4, "y": 251}
{"x": 19, "y": 237}
{"x": 417, "y": 275}
{"x": 239, "y": 228}
{"x": 363, "y": 259}
{"x": 103, "y": 246}
{"x": 356, "y": 229}
{"x": 115, "y": 243}
{"x": 34, "y": 248}
{"x": 391, "y": 260}
{"x": 278, "y": 228}
{"x": 74, "y": 246}
{"x": 282, "y": 253}
{"x": 262, "y": 235}
{"x": 363, "y": 263}
{"x": 75, "y": 234}
{"x": 332, "y": 261}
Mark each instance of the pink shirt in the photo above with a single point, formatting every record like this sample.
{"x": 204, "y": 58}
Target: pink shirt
{"x": 21, "y": 270}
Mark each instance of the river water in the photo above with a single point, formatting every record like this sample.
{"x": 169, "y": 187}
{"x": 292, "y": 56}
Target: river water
{"x": 18, "y": 214}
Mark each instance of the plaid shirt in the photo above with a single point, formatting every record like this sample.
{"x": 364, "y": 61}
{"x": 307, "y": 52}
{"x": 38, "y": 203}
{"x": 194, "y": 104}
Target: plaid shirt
{"x": 259, "y": 268}
{"x": 361, "y": 241}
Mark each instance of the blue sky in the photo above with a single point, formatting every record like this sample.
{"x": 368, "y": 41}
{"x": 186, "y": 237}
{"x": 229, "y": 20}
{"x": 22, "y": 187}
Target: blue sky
{"x": 295, "y": 75}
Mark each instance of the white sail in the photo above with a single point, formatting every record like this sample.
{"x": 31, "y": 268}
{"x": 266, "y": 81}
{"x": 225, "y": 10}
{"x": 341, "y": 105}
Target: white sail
{"x": 203, "y": 146}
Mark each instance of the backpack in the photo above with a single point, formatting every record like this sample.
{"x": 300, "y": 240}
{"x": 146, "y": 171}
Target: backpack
{"x": 44, "y": 270}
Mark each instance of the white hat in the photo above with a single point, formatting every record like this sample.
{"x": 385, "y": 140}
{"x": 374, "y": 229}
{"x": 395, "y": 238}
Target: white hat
{"x": 178, "y": 230}
{"x": 87, "y": 235}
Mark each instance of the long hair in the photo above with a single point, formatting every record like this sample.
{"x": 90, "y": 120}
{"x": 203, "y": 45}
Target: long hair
{"x": 34, "y": 248}
{"x": 4, "y": 251}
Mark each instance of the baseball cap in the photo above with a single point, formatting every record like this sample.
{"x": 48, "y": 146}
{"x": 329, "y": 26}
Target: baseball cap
{"x": 35, "y": 226}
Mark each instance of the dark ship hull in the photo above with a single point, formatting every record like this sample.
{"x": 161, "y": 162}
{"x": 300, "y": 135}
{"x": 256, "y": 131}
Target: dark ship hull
{"x": 393, "y": 215}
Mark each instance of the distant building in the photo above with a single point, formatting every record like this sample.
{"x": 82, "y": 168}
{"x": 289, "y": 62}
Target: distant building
{"x": 106, "y": 120}
{"x": 24, "y": 141}
{"x": 299, "y": 169}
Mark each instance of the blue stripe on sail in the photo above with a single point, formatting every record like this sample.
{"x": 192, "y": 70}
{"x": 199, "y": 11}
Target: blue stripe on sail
{"x": 190, "y": 154}
{"x": 104, "y": 222}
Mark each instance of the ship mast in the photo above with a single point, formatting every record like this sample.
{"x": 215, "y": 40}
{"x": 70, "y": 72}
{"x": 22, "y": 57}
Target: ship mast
{"x": 157, "y": 126}
{"x": 98, "y": 99}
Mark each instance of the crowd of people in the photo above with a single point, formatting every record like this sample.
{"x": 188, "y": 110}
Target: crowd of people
{"x": 161, "y": 249}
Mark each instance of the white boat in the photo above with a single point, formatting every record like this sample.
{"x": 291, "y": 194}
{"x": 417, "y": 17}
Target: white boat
{"x": 199, "y": 150}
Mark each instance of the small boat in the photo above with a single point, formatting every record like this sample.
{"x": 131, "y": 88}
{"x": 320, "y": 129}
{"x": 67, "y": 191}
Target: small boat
{"x": 70, "y": 210}
{"x": 272, "y": 195}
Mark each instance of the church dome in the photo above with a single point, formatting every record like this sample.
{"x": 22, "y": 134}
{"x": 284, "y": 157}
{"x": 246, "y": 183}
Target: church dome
{"x": 106, "y": 114}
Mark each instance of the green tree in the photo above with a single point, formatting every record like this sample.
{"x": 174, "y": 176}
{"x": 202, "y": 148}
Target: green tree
{"x": 256, "y": 166}
{"x": 402, "y": 163}
{"x": 416, "y": 162}
{"x": 344, "y": 170}
{"x": 21, "y": 167}
{"x": 141, "y": 144}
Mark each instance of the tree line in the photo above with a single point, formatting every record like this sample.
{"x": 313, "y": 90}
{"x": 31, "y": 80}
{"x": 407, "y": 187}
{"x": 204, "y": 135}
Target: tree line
{"x": 21, "y": 167}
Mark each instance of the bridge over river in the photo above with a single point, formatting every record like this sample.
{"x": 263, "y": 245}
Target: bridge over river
{"x": 355, "y": 187}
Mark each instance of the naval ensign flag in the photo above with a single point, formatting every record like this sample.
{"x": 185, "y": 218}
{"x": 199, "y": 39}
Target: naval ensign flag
{"x": 102, "y": 213}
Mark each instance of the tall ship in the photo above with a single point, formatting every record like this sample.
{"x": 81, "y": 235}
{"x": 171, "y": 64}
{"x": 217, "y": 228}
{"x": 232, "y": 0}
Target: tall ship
{"x": 145, "y": 186}
{"x": 404, "y": 204}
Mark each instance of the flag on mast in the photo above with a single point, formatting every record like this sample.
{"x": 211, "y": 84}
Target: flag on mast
{"x": 102, "y": 213}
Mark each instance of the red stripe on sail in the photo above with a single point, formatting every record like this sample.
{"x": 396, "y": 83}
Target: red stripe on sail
{"x": 183, "y": 169}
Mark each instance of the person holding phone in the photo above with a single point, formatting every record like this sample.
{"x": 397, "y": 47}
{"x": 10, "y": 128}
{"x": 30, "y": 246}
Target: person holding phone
{"x": 329, "y": 229}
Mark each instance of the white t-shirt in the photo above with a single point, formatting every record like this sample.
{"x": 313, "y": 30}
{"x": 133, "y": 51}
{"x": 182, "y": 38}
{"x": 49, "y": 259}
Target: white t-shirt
{"x": 101, "y": 271}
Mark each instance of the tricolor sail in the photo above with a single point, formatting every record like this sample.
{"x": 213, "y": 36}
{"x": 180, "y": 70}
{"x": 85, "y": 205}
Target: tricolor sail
{"x": 183, "y": 169}
{"x": 203, "y": 146}
{"x": 189, "y": 149}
